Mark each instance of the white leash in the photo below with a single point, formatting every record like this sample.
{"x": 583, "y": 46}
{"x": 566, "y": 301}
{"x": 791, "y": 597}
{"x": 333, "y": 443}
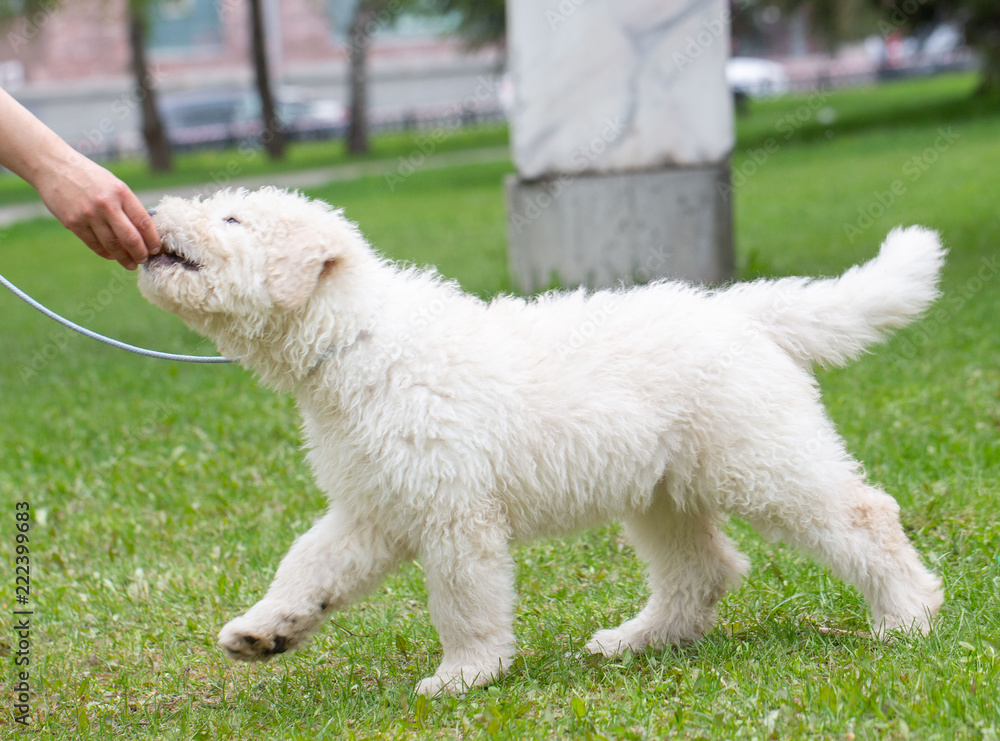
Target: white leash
{"x": 107, "y": 340}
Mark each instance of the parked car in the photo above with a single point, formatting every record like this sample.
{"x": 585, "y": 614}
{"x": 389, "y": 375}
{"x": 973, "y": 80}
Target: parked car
{"x": 301, "y": 115}
{"x": 200, "y": 119}
{"x": 226, "y": 117}
{"x": 754, "y": 78}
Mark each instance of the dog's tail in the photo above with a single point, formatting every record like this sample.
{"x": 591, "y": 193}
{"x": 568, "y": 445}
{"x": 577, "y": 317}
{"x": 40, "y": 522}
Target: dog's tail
{"x": 832, "y": 321}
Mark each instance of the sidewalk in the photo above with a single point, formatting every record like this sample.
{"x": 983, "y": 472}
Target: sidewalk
{"x": 301, "y": 179}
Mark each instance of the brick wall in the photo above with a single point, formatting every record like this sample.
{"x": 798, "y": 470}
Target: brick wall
{"x": 88, "y": 39}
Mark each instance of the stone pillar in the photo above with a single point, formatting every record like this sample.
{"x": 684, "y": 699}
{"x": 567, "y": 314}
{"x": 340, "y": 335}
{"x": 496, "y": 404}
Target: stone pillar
{"x": 621, "y": 130}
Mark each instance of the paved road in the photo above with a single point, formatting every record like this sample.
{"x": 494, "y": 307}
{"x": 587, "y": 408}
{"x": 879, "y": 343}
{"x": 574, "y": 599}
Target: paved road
{"x": 394, "y": 170}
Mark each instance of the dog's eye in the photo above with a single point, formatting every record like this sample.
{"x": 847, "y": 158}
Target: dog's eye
{"x": 232, "y": 220}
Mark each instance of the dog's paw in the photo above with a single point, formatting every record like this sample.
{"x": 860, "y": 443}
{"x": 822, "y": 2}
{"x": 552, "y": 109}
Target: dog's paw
{"x": 913, "y": 611}
{"x": 892, "y": 624}
{"x": 244, "y": 644}
{"x": 461, "y": 673}
{"x": 455, "y": 683}
{"x": 244, "y": 641}
{"x": 614, "y": 642}
{"x": 265, "y": 631}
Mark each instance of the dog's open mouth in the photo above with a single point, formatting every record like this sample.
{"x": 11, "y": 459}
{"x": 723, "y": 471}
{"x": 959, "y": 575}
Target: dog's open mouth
{"x": 169, "y": 256}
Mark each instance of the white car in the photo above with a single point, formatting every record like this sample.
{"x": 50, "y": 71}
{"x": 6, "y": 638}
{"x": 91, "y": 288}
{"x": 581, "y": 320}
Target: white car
{"x": 756, "y": 78}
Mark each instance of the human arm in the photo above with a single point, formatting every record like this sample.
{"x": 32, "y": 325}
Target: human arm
{"x": 89, "y": 201}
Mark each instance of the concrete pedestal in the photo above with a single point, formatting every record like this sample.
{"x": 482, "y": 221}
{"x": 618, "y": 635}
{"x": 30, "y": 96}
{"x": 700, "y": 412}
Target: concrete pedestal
{"x": 621, "y": 130}
{"x": 598, "y": 230}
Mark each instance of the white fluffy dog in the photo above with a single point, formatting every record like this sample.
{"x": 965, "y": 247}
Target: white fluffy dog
{"x": 444, "y": 428}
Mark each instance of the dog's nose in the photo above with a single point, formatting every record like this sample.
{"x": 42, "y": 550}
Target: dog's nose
{"x": 151, "y": 212}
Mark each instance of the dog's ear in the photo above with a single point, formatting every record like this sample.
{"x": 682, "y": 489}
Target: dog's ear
{"x": 293, "y": 275}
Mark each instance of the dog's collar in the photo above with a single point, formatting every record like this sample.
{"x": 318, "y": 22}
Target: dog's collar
{"x": 335, "y": 350}
{"x": 332, "y": 352}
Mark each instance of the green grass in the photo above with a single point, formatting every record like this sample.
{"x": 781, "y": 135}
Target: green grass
{"x": 905, "y": 104}
{"x": 164, "y": 494}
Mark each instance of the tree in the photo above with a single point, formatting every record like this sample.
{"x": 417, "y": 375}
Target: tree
{"x": 979, "y": 19}
{"x": 153, "y": 131}
{"x": 273, "y": 135}
{"x": 368, "y": 17}
{"x": 480, "y": 22}
{"x": 138, "y": 13}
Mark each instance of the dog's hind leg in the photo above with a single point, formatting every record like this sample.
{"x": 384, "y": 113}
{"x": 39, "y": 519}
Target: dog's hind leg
{"x": 854, "y": 528}
{"x": 691, "y": 564}
{"x": 338, "y": 560}
{"x": 470, "y": 580}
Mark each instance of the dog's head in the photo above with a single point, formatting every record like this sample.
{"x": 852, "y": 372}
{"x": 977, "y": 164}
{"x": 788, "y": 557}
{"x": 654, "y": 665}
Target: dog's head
{"x": 244, "y": 258}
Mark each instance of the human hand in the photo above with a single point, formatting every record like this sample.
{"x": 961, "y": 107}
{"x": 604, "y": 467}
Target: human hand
{"x": 89, "y": 201}
{"x": 101, "y": 210}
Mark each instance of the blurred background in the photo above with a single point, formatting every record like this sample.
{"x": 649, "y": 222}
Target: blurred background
{"x": 149, "y": 77}
{"x": 101, "y": 72}
{"x": 164, "y": 494}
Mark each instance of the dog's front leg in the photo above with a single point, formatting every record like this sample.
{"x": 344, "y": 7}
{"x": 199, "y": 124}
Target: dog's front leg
{"x": 470, "y": 580}
{"x": 342, "y": 557}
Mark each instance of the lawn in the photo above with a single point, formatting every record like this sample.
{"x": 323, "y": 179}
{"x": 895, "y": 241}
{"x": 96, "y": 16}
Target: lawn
{"x": 163, "y": 495}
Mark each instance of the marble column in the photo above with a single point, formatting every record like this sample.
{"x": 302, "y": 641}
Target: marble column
{"x": 621, "y": 130}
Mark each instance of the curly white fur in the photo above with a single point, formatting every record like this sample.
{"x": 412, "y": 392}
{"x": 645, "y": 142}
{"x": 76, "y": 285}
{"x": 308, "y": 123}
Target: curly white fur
{"x": 443, "y": 427}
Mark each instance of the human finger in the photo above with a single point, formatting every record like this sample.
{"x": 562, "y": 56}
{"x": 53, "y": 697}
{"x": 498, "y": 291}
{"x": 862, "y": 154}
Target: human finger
{"x": 142, "y": 222}
{"x": 101, "y": 252}
{"x": 87, "y": 236}
{"x": 127, "y": 237}
{"x": 111, "y": 244}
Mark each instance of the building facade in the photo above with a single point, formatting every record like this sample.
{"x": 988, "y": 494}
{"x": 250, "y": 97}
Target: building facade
{"x": 70, "y": 63}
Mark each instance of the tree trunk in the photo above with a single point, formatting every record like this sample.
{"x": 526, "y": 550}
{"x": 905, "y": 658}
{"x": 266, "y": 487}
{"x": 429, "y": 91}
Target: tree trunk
{"x": 157, "y": 144}
{"x": 989, "y": 79}
{"x": 360, "y": 37}
{"x": 273, "y": 135}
